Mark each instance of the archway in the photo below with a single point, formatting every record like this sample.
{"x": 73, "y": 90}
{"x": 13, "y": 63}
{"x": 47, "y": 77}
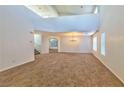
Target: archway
{"x": 53, "y": 45}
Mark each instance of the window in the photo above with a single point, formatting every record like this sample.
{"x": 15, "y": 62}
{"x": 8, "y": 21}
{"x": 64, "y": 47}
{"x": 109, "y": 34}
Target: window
{"x": 103, "y": 39}
{"x": 95, "y": 43}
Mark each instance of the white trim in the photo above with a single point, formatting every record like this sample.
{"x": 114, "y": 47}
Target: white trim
{"x": 110, "y": 69}
{"x": 16, "y": 65}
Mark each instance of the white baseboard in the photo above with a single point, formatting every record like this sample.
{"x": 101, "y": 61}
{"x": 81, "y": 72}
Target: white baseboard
{"x": 19, "y": 64}
{"x": 109, "y": 69}
{"x": 74, "y": 52}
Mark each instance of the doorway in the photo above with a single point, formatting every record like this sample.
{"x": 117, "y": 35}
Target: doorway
{"x": 37, "y": 43}
{"x": 53, "y": 45}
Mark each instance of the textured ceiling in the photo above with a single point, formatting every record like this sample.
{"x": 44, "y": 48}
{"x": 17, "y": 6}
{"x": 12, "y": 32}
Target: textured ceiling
{"x": 85, "y": 21}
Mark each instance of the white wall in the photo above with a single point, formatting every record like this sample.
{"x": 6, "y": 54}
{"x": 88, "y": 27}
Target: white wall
{"x": 45, "y": 41}
{"x": 112, "y": 18}
{"x": 0, "y": 48}
{"x": 1, "y": 44}
{"x": 17, "y": 41}
{"x": 81, "y": 45}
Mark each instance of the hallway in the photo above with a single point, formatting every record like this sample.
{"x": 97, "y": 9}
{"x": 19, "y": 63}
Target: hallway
{"x": 60, "y": 70}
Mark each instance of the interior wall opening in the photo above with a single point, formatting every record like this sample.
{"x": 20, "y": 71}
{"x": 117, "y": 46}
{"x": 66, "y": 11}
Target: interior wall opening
{"x": 37, "y": 43}
{"x": 53, "y": 45}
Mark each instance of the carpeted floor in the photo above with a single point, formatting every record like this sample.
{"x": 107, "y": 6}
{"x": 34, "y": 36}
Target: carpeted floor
{"x": 60, "y": 70}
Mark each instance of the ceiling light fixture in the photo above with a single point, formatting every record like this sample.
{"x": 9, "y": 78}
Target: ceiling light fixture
{"x": 73, "y": 38}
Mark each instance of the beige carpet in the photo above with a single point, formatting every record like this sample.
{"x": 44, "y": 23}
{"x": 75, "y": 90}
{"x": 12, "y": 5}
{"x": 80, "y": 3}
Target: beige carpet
{"x": 60, "y": 70}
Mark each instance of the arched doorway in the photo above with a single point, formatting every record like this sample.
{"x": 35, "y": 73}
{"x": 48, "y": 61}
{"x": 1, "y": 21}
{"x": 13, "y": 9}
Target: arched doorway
{"x": 53, "y": 45}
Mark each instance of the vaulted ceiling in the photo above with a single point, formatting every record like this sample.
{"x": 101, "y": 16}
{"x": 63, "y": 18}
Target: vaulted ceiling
{"x": 64, "y": 18}
{"x": 62, "y": 10}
